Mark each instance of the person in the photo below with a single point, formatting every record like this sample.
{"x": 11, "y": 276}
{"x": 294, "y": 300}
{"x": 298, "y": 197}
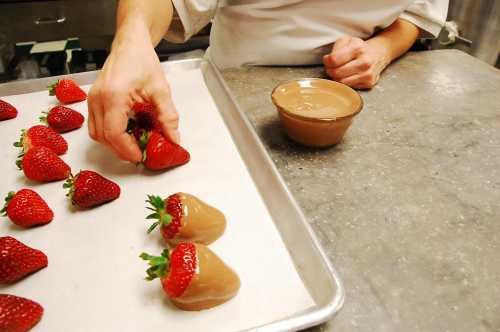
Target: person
{"x": 354, "y": 40}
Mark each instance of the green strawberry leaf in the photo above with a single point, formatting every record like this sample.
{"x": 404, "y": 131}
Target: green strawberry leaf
{"x": 52, "y": 88}
{"x": 8, "y": 198}
{"x": 159, "y": 265}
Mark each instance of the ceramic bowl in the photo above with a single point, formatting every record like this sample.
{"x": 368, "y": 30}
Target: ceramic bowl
{"x": 316, "y": 112}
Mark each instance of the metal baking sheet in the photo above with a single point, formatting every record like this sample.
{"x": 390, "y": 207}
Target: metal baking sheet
{"x": 86, "y": 244}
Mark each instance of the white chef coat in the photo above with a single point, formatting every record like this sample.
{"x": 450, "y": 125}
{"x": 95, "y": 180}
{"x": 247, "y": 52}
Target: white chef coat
{"x": 294, "y": 32}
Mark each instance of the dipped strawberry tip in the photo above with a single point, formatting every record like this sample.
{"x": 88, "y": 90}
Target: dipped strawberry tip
{"x": 8, "y": 198}
{"x": 159, "y": 212}
{"x": 158, "y": 265}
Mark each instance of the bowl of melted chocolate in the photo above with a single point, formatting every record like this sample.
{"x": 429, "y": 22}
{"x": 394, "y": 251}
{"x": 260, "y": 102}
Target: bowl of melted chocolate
{"x": 316, "y": 112}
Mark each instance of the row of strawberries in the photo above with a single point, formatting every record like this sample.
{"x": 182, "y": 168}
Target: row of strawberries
{"x": 39, "y": 159}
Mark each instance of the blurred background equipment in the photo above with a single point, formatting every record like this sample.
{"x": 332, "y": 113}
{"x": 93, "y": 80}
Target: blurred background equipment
{"x": 479, "y": 22}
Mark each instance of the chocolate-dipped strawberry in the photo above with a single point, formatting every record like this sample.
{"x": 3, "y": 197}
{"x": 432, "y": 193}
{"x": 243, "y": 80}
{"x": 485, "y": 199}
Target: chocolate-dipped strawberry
{"x": 185, "y": 218}
{"x": 193, "y": 277}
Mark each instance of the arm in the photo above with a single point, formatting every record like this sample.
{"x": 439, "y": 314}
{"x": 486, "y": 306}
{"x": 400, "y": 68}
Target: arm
{"x": 154, "y": 15}
{"x": 132, "y": 73}
{"x": 359, "y": 63}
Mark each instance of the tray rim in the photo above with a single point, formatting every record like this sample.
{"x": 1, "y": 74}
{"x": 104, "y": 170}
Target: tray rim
{"x": 311, "y": 317}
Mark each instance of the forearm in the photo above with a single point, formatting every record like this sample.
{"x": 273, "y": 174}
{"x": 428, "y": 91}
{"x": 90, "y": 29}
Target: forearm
{"x": 396, "y": 39}
{"x": 143, "y": 19}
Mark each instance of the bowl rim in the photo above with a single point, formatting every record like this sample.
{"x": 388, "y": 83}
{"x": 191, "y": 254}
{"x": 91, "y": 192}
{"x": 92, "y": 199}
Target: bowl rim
{"x": 280, "y": 108}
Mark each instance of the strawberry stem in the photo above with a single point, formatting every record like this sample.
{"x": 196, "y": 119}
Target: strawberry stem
{"x": 68, "y": 184}
{"x": 19, "y": 161}
{"x": 52, "y": 88}
{"x": 43, "y": 118}
{"x": 159, "y": 212}
{"x": 158, "y": 265}
{"x": 143, "y": 140}
{"x": 8, "y": 198}
{"x": 20, "y": 143}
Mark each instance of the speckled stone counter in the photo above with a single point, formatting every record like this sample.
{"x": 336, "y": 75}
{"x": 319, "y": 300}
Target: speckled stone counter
{"x": 408, "y": 205}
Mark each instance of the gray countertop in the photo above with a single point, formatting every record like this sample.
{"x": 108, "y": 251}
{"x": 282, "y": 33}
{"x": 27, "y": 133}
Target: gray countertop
{"x": 408, "y": 205}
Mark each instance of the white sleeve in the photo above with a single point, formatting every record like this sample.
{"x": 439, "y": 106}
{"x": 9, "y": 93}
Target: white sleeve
{"x": 190, "y": 17}
{"x": 428, "y": 15}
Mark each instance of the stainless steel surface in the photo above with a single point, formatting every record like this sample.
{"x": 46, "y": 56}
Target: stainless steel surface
{"x": 311, "y": 262}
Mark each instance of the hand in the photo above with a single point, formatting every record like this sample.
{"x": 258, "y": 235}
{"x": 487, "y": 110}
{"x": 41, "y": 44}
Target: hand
{"x": 132, "y": 73}
{"x": 356, "y": 62}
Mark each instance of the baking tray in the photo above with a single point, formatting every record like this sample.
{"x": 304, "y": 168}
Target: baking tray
{"x": 317, "y": 273}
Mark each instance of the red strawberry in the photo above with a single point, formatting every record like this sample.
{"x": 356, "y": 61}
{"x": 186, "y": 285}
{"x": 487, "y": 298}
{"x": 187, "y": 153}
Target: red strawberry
{"x": 63, "y": 119}
{"x": 145, "y": 117}
{"x": 161, "y": 153}
{"x": 40, "y": 135}
{"x": 192, "y": 276}
{"x": 18, "y": 314}
{"x": 88, "y": 189}
{"x": 186, "y": 218}
{"x": 26, "y": 208}
{"x": 17, "y": 260}
{"x": 7, "y": 111}
{"x": 67, "y": 91}
{"x": 42, "y": 164}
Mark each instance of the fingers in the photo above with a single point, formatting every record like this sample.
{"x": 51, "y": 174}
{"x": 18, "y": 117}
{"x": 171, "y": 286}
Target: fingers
{"x": 91, "y": 120}
{"x": 339, "y": 43}
{"x": 95, "y": 115}
{"x": 356, "y": 66}
{"x": 344, "y": 53}
{"x": 167, "y": 114}
{"x": 355, "y": 62}
{"x": 115, "y": 135}
{"x": 365, "y": 80}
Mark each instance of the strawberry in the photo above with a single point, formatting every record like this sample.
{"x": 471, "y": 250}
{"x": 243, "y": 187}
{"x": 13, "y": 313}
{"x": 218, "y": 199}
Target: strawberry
{"x": 18, "y": 314}
{"x": 185, "y": 218}
{"x": 63, "y": 119}
{"x": 67, "y": 91}
{"x": 161, "y": 153}
{"x": 17, "y": 260}
{"x": 42, "y": 164}
{"x": 40, "y": 135}
{"x": 145, "y": 117}
{"x": 88, "y": 189}
{"x": 26, "y": 208}
{"x": 192, "y": 276}
{"x": 7, "y": 111}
